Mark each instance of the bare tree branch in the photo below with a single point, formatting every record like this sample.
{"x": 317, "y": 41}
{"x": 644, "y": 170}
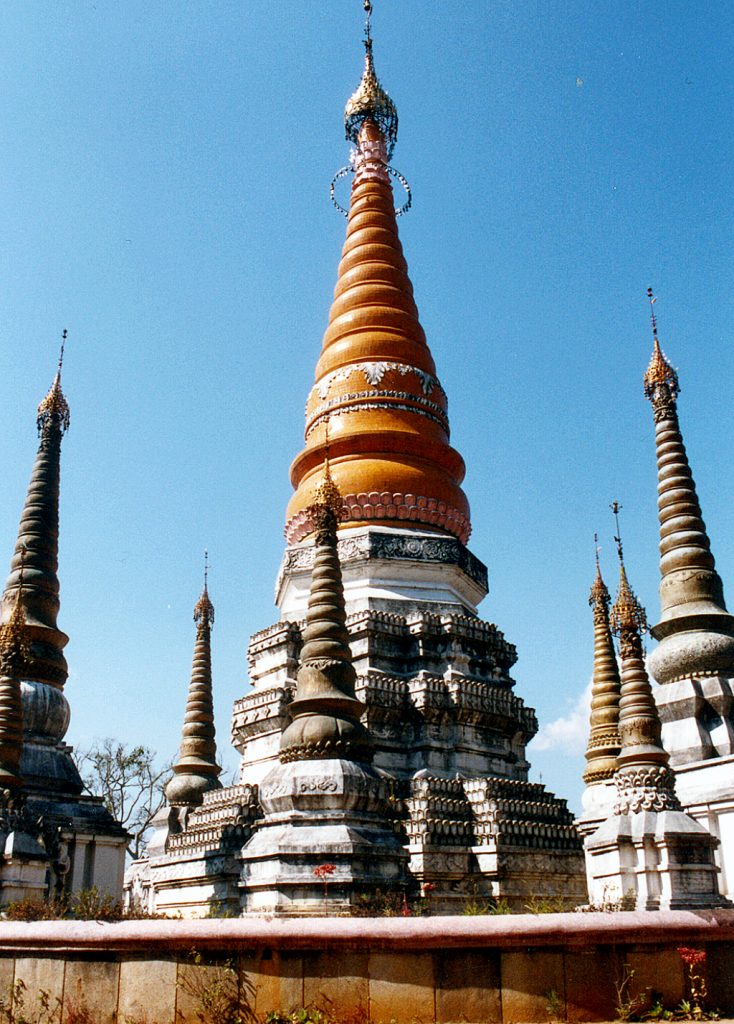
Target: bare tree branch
{"x": 129, "y": 782}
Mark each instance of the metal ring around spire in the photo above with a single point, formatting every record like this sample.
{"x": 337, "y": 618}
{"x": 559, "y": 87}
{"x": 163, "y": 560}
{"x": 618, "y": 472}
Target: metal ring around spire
{"x": 399, "y": 211}
{"x": 344, "y": 171}
{"x": 341, "y": 173}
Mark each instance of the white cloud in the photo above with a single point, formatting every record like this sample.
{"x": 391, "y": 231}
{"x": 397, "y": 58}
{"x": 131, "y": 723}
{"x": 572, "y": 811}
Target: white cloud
{"x": 570, "y": 732}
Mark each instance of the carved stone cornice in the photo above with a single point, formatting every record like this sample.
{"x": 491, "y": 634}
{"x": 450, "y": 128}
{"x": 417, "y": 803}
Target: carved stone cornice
{"x": 376, "y": 544}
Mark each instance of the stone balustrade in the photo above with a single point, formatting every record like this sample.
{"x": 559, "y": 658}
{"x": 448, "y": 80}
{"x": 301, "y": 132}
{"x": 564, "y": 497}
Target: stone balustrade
{"x": 434, "y": 970}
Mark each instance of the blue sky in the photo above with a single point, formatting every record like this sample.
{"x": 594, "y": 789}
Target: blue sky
{"x": 164, "y": 178}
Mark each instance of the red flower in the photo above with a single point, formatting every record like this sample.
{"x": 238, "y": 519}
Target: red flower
{"x": 692, "y": 957}
{"x": 324, "y": 870}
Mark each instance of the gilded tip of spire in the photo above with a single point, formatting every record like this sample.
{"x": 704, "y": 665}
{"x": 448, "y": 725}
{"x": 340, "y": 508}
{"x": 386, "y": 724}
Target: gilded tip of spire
{"x": 627, "y": 614}
{"x": 204, "y": 609}
{"x": 327, "y": 494}
{"x": 659, "y": 373}
{"x": 599, "y": 595}
{"x": 54, "y": 407}
{"x": 370, "y": 102}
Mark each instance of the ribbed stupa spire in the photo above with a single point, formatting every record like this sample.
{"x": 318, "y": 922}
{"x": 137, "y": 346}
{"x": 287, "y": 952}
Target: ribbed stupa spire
{"x": 38, "y": 544}
{"x": 196, "y": 770}
{"x": 601, "y": 753}
{"x": 644, "y": 779}
{"x": 325, "y": 711}
{"x": 376, "y": 380}
{"x": 691, "y": 591}
{"x": 14, "y": 650}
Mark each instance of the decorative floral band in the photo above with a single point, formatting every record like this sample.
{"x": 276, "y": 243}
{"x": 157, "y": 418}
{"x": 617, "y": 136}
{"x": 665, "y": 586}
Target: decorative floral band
{"x": 366, "y": 402}
{"x": 373, "y": 373}
{"x": 376, "y": 505}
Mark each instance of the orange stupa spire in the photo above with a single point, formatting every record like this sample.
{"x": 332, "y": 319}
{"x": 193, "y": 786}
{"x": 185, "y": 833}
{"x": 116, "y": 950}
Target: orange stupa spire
{"x": 377, "y": 410}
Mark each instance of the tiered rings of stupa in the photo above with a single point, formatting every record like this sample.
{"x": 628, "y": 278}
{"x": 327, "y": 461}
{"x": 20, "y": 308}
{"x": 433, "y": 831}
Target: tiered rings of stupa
{"x": 377, "y": 409}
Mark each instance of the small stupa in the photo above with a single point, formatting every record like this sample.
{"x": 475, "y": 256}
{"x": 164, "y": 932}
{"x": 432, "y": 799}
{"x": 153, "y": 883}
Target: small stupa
{"x": 601, "y": 753}
{"x": 648, "y": 852}
{"x": 694, "y": 658}
{"x": 86, "y": 845}
{"x": 327, "y": 836}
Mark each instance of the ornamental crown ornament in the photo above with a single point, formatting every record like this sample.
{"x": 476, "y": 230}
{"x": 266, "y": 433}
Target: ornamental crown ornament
{"x": 599, "y": 594}
{"x": 370, "y": 102}
{"x": 627, "y": 614}
{"x": 204, "y": 609}
{"x": 54, "y": 406}
{"x": 327, "y": 494}
{"x": 659, "y": 372}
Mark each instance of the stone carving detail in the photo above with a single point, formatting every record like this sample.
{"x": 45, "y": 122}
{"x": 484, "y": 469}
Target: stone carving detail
{"x": 648, "y": 788}
{"x": 386, "y": 505}
{"x": 373, "y": 373}
{"x": 318, "y": 785}
{"x": 445, "y": 550}
{"x": 223, "y": 822}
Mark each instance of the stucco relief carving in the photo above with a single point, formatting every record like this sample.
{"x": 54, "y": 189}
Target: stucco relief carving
{"x": 373, "y": 373}
{"x": 650, "y": 788}
{"x": 318, "y": 785}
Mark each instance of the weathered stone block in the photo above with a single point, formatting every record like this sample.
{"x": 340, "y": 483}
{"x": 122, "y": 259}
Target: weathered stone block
{"x": 199, "y": 986}
{"x": 402, "y": 988}
{"x": 590, "y": 979}
{"x": 7, "y": 971}
{"x": 94, "y": 985}
{"x": 657, "y": 970}
{"x": 533, "y": 986}
{"x": 468, "y": 987}
{"x": 274, "y": 981}
{"x": 719, "y": 975}
{"x": 39, "y": 975}
{"x": 147, "y": 991}
{"x": 337, "y": 983}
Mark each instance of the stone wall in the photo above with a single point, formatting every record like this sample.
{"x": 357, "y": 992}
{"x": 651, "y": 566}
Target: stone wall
{"x": 474, "y": 970}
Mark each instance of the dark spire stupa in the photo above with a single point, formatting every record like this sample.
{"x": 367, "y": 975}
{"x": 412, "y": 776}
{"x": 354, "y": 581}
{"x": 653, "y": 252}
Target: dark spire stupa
{"x": 196, "y": 770}
{"x": 601, "y": 753}
{"x": 639, "y": 722}
{"x": 47, "y": 765}
{"x": 695, "y": 630}
{"x": 326, "y": 713}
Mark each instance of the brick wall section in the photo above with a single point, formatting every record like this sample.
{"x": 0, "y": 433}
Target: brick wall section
{"x": 474, "y": 970}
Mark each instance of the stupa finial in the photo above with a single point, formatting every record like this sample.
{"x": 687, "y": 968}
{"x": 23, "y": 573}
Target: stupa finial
{"x": 54, "y": 408}
{"x": 599, "y": 594}
{"x": 204, "y": 609}
{"x": 370, "y": 102}
{"x": 660, "y": 381}
{"x": 627, "y": 617}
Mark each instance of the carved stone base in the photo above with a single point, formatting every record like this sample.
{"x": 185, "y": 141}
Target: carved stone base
{"x": 326, "y": 838}
{"x": 659, "y": 860}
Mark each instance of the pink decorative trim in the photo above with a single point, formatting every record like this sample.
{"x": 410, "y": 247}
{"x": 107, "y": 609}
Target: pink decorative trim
{"x": 384, "y": 505}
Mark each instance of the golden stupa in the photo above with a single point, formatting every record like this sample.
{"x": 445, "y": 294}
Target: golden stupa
{"x": 377, "y": 410}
